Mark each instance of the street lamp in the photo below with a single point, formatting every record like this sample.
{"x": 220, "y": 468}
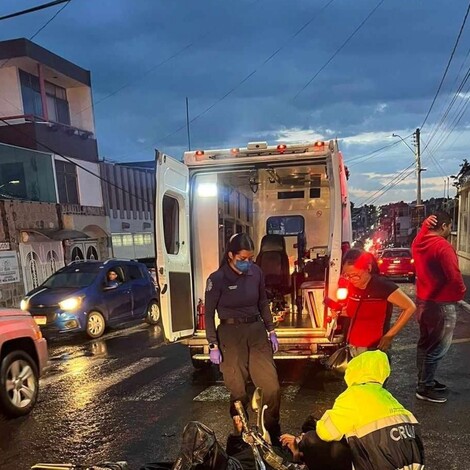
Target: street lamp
{"x": 10, "y": 182}
{"x": 404, "y": 141}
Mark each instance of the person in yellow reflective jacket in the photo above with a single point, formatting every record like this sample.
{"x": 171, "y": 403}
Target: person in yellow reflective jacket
{"x": 380, "y": 433}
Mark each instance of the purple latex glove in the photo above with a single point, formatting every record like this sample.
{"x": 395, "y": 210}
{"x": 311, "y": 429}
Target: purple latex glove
{"x": 274, "y": 341}
{"x": 215, "y": 356}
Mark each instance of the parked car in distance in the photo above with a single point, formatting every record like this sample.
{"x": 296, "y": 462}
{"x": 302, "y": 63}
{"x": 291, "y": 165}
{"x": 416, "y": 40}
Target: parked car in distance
{"x": 89, "y": 295}
{"x": 23, "y": 356}
{"x": 397, "y": 263}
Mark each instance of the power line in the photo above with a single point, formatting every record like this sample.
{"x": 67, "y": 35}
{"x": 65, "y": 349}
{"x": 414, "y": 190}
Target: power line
{"x": 39, "y": 30}
{"x": 31, "y": 10}
{"x": 75, "y": 163}
{"x": 153, "y": 68}
{"x": 356, "y": 160}
{"x": 448, "y": 65}
{"x": 249, "y": 75}
{"x": 391, "y": 182}
{"x": 396, "y": 183}
{"x": 49, "y": 21}
{"x": 364, "y": 21}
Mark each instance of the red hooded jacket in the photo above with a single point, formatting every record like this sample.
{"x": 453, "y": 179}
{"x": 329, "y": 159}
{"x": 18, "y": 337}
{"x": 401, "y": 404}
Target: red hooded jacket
{"x": 438, "y": 277}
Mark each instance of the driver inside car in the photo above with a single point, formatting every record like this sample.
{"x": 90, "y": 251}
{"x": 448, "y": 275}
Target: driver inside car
{"x": 112, "y": 279}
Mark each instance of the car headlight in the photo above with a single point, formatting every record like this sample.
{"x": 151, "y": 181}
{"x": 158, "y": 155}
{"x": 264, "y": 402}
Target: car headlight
{"x": 70, "y": 304}
{"x": 24, "y": 304}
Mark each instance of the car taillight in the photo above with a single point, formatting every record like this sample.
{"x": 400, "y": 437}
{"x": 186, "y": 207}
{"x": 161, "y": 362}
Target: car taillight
{"x": 412, "y": 261}
{"x": 380, "y": 261}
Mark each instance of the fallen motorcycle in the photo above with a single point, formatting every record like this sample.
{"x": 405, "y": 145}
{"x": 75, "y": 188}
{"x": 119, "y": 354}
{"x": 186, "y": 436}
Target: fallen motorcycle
{"x": 201, "y": 451}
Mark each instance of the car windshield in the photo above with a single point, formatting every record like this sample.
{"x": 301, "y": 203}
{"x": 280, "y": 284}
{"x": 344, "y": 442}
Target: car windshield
{"x": 397, "y": 254}
{"x": 75, "y": 279}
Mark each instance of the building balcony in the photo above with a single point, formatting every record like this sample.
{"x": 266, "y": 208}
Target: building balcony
{"x": 35, "y": 133}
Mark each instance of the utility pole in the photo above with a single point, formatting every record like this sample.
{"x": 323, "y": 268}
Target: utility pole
{"x": 419, "y": 206}
{"x": 418, "y": 165}
{"x": 187, "y": 123}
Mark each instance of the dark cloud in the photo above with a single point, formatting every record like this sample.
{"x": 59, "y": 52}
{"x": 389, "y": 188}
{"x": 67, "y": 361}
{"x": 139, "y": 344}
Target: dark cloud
{"x": 383, "y": 81}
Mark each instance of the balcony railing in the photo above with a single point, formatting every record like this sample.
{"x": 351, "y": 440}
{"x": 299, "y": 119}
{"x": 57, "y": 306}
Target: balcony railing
{"x": 77, "y": 209}
{"x": 52, "y": 125}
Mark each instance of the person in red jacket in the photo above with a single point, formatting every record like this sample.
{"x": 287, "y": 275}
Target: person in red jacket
{"x": 439, "y": 286}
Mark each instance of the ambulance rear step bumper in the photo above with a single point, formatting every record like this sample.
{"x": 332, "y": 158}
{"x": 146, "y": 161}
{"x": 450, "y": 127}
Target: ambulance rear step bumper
{"x": 277, "y": 356}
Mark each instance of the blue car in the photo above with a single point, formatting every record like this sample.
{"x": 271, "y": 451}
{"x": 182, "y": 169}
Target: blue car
{"x": 89, "y": 295}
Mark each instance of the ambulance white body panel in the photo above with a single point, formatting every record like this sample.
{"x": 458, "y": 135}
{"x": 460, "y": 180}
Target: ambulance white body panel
{"x": 297, "y": 192}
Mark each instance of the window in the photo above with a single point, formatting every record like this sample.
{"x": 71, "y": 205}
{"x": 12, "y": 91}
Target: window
{"x": 171, "y": 224}
{"x": 67, "y": 182}
{"x": 290, "y": 194}
{"x": 56, "y": 99}
{"x": 285, "y": 225}
{"x": 134, "y": 272}
{"x": 117, "y": 240}
{"x": 315, "y": 186}
{"x": 138, "y": 239}
{"x": 127, "y": 240}
{"x": 77, "y": 254}
{"x": 91, "y": 253}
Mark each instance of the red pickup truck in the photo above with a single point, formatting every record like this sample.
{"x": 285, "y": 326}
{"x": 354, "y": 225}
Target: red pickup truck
{"x": 23, "y": 356}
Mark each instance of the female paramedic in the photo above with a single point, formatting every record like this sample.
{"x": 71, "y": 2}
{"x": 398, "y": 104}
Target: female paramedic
{"x": 241, "y": 345}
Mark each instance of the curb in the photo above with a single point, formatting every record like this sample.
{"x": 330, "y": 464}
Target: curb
{"x": 464, "y": 305}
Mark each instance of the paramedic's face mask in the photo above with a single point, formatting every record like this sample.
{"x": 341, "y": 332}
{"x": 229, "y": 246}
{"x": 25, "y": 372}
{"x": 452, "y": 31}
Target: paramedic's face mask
{"x": 242, "y": 260}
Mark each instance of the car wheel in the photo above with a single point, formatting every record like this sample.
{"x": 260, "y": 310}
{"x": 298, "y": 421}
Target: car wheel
{"x": 95, "y": 325}
{"x": 19, "y": 384}
{"x": 153, "y": 313}
{"x": 411, "y": 279}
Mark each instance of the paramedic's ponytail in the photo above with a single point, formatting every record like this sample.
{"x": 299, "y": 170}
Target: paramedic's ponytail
{"x": 237, "y": 243}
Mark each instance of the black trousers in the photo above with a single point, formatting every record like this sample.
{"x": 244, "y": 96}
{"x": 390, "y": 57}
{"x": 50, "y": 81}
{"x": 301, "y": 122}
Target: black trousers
{"x": 322, "y": 455}
{"x": 247, "y": 352}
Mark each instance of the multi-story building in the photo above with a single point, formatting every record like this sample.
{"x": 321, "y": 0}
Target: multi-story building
{"x": 52, "y": 206}
{"x": 129, "y": 190}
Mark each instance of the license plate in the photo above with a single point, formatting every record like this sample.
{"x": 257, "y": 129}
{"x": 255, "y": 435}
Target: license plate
{"x": 40, "y": 320}
{"x": 396, "y": 261}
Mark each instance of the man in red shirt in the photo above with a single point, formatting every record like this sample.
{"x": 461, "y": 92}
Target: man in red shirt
{"x": 439, "y": 286}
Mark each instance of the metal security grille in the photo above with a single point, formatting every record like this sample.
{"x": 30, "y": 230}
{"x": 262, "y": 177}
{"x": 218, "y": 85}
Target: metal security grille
{"x": 39, "y": 260}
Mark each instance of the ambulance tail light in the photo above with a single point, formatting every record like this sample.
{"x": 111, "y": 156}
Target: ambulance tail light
{"x": 235, "y": 151}
{"x": 281, "y": 148}
{"x": 199, "y": 155}
{"x": 319, "y": 146}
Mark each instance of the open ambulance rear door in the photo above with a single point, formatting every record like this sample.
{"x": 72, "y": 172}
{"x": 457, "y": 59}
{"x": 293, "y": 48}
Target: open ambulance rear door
{"x": 173, "y": 262}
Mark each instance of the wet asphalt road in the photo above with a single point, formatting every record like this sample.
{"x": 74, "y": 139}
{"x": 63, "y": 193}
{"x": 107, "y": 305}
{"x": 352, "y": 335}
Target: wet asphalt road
{"x": 128, "y": 396}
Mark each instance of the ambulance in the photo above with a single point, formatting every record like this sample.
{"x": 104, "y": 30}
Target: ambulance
{"x": 292, "y": 199}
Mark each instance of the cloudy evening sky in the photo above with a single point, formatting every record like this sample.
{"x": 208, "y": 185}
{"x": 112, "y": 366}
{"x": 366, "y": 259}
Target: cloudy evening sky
{"x": 267, "y": 70}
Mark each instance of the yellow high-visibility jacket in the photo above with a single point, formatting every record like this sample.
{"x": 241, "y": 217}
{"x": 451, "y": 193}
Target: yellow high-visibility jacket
{"x": 382, "y": 434}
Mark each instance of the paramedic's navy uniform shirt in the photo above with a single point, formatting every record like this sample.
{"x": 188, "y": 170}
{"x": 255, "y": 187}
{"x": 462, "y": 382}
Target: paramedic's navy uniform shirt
{"x": 236, "y": 296}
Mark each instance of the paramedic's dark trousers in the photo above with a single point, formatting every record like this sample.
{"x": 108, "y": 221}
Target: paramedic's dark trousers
{"x": 436, "y": 326}
{"x": 247, "y": 352}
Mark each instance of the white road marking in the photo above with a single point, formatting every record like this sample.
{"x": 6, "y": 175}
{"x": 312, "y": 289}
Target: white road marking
{"x": 77, "y": 367}
{"x": 84, "y": 393}
{"x": 160, "y": 387}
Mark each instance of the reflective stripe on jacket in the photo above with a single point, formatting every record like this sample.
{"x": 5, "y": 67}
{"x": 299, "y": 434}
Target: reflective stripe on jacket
{"x": 382, "y": 434}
